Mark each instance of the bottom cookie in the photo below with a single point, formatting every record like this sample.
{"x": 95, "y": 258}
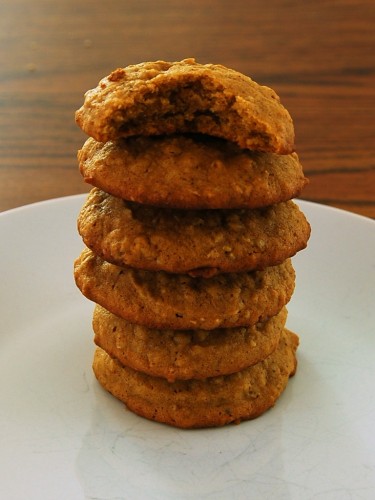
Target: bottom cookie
{"x": 210, "y": 402}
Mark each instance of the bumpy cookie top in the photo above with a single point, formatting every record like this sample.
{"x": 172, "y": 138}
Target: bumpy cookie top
{"x": 155, "y": 98}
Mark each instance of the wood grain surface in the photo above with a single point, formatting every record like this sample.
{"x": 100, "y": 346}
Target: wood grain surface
{"x": 319, "y": 57}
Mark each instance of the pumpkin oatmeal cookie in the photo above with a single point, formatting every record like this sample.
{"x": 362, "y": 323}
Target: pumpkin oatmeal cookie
{"x": 210, "y": 402}
{"x": 186, "y": 354}
{"x": 162, "y": 98}
{"x": 162, "y": 300}
{"x": 190, "y": 172}
{"x": 197, "y": 242}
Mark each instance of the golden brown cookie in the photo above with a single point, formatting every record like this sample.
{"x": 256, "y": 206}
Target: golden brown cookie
{"x": 198, "y": 242}
{"x": 162, "y": 300}
{"x": 158, "y": 98}
{"x": 210, "y": 402}
{"x": 186, "y": 354}
{"x": 190, "y": 172}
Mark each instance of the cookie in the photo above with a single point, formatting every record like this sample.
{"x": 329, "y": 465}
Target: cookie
{"x": 210, "y": 402}
{"x": 177, "y": 301}
{"x": 193, "y": 172}
{"x": 198, "y": 242}
{"x": 162, "y": 98}
{"x": 186, "y": 354}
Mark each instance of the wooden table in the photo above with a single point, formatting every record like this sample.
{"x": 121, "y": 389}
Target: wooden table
{"x": 319, "y": 57}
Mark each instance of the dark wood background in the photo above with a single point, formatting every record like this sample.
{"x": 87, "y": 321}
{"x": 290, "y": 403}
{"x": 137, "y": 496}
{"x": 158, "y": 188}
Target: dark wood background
{"x": 319, "y": 56}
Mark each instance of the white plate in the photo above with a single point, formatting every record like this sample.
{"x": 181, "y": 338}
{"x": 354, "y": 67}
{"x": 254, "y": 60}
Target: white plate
{"x": 63, "y": 437}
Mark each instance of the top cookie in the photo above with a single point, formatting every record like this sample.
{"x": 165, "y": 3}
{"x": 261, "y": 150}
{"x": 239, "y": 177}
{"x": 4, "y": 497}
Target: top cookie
{"x": 157, "y": 98}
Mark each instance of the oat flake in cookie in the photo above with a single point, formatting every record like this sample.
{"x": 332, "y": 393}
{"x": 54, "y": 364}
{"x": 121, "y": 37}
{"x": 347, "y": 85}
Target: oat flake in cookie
{"x": 162, "y": 98}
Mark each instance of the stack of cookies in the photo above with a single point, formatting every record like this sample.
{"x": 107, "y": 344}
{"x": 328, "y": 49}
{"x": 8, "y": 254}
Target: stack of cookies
{"x": 189, "y": 231}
